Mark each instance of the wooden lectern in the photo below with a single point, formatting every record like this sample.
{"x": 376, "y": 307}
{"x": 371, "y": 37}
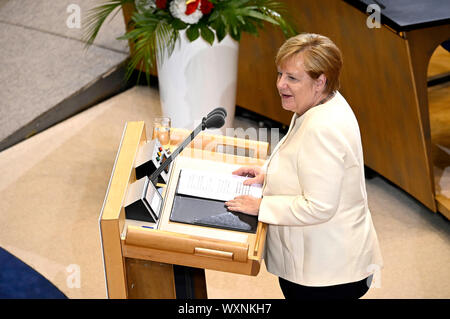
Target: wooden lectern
{"x": 159, "y": 262}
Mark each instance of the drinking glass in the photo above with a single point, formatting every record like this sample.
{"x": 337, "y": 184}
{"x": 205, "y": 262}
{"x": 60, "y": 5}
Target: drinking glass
{"x": 161, "y": 130}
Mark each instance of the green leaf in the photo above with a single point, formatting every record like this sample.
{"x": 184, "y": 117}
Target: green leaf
{"x": 207, "y": 34}
{"x": 192, "y": 33}
{"x": 238, "y": 3}
{"x": 214, "y": 15}
{"x": 95, "y": 18}
{"x": 177, "y": 24}
{"x": 260, "y": 16}
{"x": 221, "y": 31}
{"x": 250, "y": 28}
{"x": 235, "y": 33}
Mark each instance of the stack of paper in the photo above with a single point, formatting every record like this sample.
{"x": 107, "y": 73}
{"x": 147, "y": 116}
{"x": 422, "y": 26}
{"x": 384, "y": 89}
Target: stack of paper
{"x": 212, "y": 185}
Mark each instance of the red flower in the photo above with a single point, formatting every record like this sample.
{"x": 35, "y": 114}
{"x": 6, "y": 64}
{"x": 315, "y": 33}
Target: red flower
{"x": 206, "y": 6}
{"x": 161, "y": 4}
{"x": 191, "y": 6}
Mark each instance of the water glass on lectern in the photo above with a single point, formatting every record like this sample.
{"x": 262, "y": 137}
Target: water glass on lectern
{"x": 161, "y": 130}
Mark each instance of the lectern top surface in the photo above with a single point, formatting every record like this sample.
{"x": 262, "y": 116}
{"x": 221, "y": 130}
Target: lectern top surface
{"x": 406, "y": 15}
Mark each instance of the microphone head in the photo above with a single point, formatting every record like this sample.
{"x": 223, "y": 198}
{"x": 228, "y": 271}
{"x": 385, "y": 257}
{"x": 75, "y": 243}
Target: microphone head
{"x": 218, "y": 110}
{"x": 216, "y": 120}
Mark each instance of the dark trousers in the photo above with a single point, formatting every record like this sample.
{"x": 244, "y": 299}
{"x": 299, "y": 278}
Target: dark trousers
{"x": 353, "y": 290}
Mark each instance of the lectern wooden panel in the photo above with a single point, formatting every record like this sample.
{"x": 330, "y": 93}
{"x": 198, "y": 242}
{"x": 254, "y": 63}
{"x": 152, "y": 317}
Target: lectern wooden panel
{"x": 112, "y": 218}
{"x": 138, "y": 260}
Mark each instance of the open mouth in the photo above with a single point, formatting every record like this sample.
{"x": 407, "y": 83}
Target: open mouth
{"x": 285, "y": 96}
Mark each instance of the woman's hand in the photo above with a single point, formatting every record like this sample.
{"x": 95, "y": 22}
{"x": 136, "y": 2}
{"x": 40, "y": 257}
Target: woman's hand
{"x": 256, "y": 173}
{"x": 244, "y": 204}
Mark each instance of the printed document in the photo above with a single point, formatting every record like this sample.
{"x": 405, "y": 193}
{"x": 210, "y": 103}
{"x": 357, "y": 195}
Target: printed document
{"x": 213, "y": 185}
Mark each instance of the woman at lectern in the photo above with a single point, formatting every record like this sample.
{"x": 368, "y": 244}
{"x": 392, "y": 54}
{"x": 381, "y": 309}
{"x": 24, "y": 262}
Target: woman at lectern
{"x": 321, "y": 241}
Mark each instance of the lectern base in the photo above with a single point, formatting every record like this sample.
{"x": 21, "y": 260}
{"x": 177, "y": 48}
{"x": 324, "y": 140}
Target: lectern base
{"x": 190, "y": 282}
{"x": 154, "y": 280}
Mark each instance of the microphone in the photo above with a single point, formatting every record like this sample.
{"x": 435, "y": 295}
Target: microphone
{"x": 214, "y": 119}
{"x": 218, "y": 110}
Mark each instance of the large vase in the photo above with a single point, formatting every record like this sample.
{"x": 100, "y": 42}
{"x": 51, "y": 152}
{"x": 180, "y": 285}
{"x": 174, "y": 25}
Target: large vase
{"x": 197, "y": 78}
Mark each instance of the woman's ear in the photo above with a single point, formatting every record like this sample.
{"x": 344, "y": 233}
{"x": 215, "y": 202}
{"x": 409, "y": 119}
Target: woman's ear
{"x": 321, "y": 82}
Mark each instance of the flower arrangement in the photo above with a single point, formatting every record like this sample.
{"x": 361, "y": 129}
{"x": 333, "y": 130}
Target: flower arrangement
{"x": 155, "y": 24}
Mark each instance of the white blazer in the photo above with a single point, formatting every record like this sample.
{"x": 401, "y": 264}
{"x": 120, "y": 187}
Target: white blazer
{"x": 320, "y": 229}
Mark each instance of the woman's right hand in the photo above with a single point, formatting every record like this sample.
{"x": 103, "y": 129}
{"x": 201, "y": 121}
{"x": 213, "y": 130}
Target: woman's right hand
{"x": 255, "y": 172}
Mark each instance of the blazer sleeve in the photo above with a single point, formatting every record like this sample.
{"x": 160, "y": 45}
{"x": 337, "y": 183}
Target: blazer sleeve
{"x": 320, "y": 171}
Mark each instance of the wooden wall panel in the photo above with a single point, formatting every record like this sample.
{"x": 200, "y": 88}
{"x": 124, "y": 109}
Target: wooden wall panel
{"x": 257, "y": 75}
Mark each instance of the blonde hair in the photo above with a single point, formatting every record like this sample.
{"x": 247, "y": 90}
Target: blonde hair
{"x": 320, "y": 56}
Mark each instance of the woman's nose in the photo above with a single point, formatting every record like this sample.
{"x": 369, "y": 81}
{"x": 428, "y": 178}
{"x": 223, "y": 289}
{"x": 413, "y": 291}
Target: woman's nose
{"x": 281, "y": 83}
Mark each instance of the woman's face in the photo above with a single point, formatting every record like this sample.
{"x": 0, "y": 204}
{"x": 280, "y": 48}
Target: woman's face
{"x": 298, "y": 91}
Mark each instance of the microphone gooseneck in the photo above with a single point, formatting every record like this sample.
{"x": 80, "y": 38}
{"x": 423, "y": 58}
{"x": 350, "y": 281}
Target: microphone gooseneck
{"x": 214, "y": 119}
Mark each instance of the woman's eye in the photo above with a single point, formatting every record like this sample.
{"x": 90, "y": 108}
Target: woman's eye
{"x": 289, "y": 77}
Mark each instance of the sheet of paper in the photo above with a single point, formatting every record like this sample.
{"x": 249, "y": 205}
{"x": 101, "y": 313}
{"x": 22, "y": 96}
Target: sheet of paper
{"x": 212, "y": 185}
